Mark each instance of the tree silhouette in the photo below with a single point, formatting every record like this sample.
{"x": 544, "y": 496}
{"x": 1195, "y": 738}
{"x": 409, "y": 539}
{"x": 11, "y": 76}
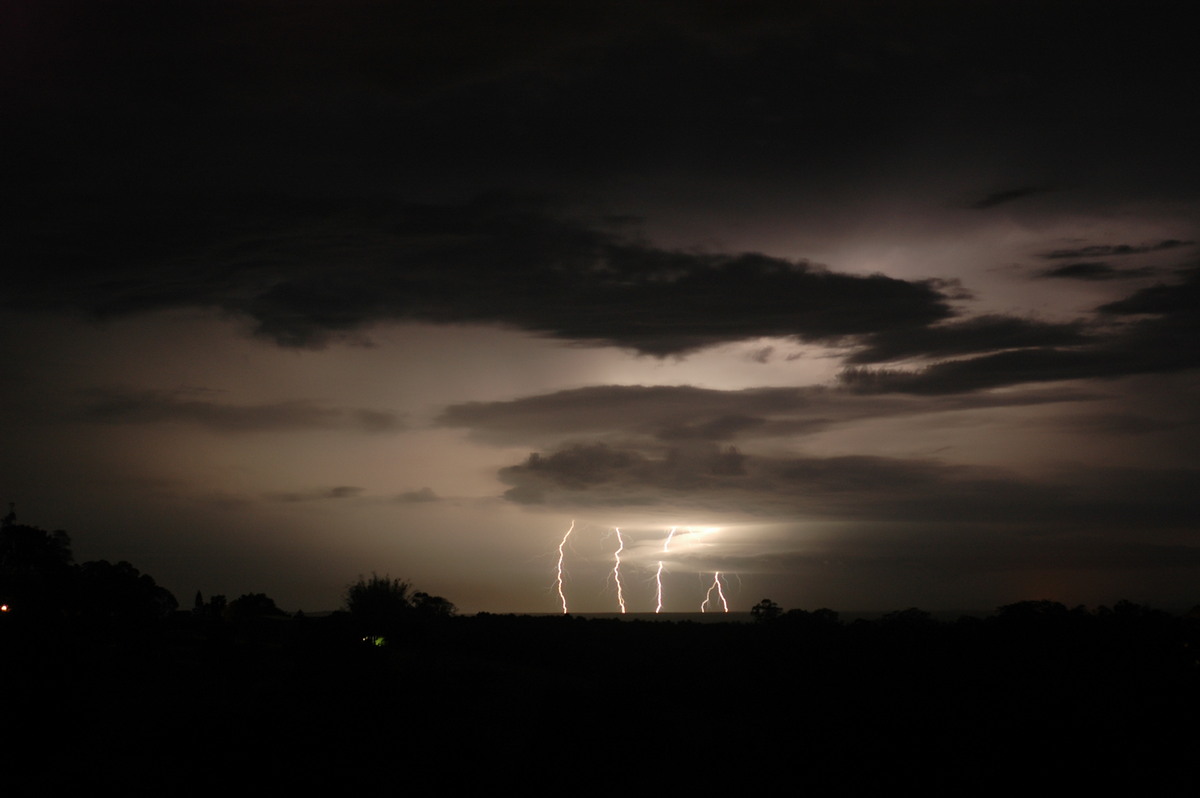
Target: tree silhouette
{"x": 28, "y": 549}
{"x": 432, "y": 606}
{"x": 766, "y": 610}
{"x": 119, "y": 593}
{"x": 379, "y": 604}
{"x": 35, "y": 569}
{"x": 253, "y": 605}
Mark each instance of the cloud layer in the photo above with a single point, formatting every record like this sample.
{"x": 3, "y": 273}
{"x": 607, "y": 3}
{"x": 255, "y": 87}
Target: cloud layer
{"x": 852, "y": 488}
{"x": 674, "y": 415}
{"x": 321, "y": 273}
{"x": 184, "y": 407}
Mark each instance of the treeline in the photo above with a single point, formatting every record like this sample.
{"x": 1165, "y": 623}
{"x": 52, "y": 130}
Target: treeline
{"x": 42, "y": 588}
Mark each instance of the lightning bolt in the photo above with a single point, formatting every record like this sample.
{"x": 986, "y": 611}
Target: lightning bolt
{"x": 558, "y": 582}
{"x": 617, "y": 570}
{"x": 658, "y": 575}
{"x": 716, "y": 585}
{"x": 720, "y": 591}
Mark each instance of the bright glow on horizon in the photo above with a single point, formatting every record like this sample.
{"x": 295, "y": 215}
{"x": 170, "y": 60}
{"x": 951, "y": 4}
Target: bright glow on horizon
{"x": 627, "y": 551}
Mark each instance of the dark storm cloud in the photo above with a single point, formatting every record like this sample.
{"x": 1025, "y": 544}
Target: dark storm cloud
{"x": 1094, "y": 270}
{"x": 1114, "y": 250}
{"x": 1013, "y": 368}
{"x": 654, "y": 301}
{"x": 979, "y": 334}
{"x": 992, "y": 371}
{"x": 169, "y": 158}
{"x": 1010, "y": 195}
{"x": 310, "y": 272}
{"x": 1163, "y": 337}
{"x": 151, "y": 407}
{"x": 686, "y": 413}
{"x": 1177, "y": 301}
{"x": 137, "y": 117}
{"x": 852, "y": 488}
{"x": 136, "y": 100}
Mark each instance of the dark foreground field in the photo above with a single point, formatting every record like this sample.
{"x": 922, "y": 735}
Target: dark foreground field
{"x": 1037, "y": 696}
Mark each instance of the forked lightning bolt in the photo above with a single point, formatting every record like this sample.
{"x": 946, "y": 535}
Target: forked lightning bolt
{"x": 720, "y": 591}
{"x": 658, "y": 575}
{"x": 617, "y": 569}
{"x": 559, "y": 579}
{"x": 716, "y": 585}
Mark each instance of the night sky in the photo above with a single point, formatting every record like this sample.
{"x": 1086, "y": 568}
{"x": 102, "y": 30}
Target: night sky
{"x": 878, "y": 304}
